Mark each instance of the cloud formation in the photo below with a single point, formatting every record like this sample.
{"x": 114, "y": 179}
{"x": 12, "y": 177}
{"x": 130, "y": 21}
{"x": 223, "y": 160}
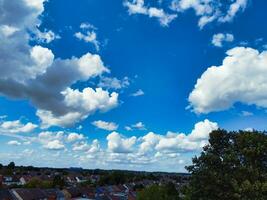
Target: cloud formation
{"x": 138, "y": 7}
{"x": 33, "y": 72}
{"x": 113, "y": 83}
{"x": 109, "y": 126}
{"x": 118, "y": 144}
{"x": 16, "y": 126}
{"x": 88, "y": 34}
{"x": 220, "y": 38}
{"x": 220, "y": 87}
{"x": 151, "y": 150}
{"x": 207, "y": 10}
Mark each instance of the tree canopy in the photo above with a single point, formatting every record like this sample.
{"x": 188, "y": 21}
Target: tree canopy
{"x": 232, "y": 166}
{"x": 163, "y": 192}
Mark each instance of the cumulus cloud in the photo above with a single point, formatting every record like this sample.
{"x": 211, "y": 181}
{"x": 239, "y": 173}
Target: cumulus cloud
{"x": 118, "y": 144}
{"x": 95, "y": 147}
{"x": 138, "y": 7}
{"x": 220, "y": 38}
{"x": 46, "y": 136}
{"x": 179, "y": 142}
{"x": 81, "y": 104}
{"x": 54, "y": 145}
{"x": 152, "y": 150}
{"x": 33, "y": 72}
{"x": 80, "y": 146}
{"x": 109, "y": 126}
{"x": 72, "y": 137}
{"x": 149, "y": 141}
{"x": 16, "y": 127}
{"x": 89, "y": 149}
{"x": 220, "y": 87}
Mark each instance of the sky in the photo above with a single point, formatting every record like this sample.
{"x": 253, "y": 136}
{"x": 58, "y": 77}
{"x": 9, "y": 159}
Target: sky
{"x": 128, "y": 84}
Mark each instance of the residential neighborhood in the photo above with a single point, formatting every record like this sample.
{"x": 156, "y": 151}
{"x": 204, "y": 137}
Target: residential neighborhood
{"x": 30, "y": 183}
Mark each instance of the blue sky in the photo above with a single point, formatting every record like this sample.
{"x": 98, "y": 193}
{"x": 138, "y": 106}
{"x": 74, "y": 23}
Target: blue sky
{"x": 128, "y": 84}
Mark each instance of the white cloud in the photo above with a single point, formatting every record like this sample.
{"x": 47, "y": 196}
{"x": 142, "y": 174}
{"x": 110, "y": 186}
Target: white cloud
{"x": 149, "y": 141}
{"x": 86, "y": 25}
{"x": 109, "y": 126}
{"x": 249, "y": 129}
{"x": 210, "y": 10}
{"x": 49, "y": 119}
{"x": 139, "y": 125}
{"x": 128, "y": 128}
{"x": 72, "y": 137}
{"x": 233, "y": 9}
{"x": 138, "y": 93}
{"x": 33, "y": 72}
{"x": 14, "y": 143}
{"x": 43, "y": 58}
{"x": 179, "y": 142}
{"x": 220, "y": 87}
{"x": 46, "y": 36}
{"x": 202, "y": 129}
{"x": 81, "y": 146}
{"x": 113, "y": 83}
{"x": 36, "y": 4}
{"x": 54, "y": 145}
{"x": 88, "y": 35}
{"x": 46, "y": 136}
{"x": 138, "y": 7}
{"x": 16, "y": 127}
{"x": 51, "y": 140}
{"x": 8, "y": 31}
{"x": 95, "y": 147}
{"x": 118, "y": 144}
{"x": 220, "y": 38}
{"x": 150, "y": 152}
{"x": 86, "y": 103}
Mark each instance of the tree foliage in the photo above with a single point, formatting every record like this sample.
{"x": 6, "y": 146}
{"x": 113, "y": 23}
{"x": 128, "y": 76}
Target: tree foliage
{"x": 38, "y": 183}
{"x": 58, "y": 181}
{"x": 11, "y": 165}
{"x": 165, "y": 192}
{"x": 232, "y": 166}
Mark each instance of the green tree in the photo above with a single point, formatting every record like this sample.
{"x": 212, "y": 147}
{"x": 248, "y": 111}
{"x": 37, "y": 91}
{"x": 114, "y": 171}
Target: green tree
{"x": 11, "y": 165}
{"x": 232, "y": 166}
{"x": 165, "y": 192}
{"x": 38, "y": 183}
{"x": 58, "y": 181}
{"x": 34, "y": 183}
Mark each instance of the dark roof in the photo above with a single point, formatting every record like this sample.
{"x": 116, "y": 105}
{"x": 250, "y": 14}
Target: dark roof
{"x": 74, "y": 192}
{"x": 30, "y": 194}
{"x": 33, "y": 194}
{"x": 5, "y": 195}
